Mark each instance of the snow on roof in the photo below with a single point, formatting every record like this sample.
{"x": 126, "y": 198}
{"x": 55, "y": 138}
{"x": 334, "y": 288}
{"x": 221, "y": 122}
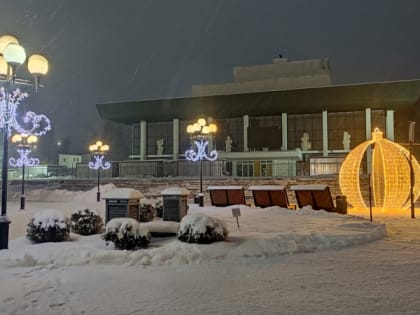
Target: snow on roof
{"x": 266, "y": 187}
{"x": 123, "y": 193}
{"x": 224, "y": 187}
{"x": 175, "y": 191}
{"x": 308, "y": 187}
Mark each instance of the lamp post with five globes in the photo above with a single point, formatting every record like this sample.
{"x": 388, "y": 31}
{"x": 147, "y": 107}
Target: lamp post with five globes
{"x": 99, "y": 150}
{"x": 24, "y": 144}
{"x": 200, "y": 133}
{"x": 12, "y": 56}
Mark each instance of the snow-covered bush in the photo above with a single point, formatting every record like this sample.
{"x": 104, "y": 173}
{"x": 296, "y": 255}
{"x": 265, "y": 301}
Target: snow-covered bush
{"x": 86, "y": 222}
{"x": 126, "y": 233}
{"x": 147, "y": 210}
{"x": 48, "y": 226}
{"x": 200, "y": 228}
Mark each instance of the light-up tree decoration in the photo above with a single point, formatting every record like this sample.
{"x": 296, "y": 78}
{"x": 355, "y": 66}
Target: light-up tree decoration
{"x": 390, "y": 178}
{"x": 24, "y": 144}
{"x": 99, "y": 150}
{"x": 200, "y": 133}
{"x": 12, "y": 56}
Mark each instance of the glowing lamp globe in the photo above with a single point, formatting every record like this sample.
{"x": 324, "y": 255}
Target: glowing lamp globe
{"x": 197, "y": 127}
{"x": 32, "y": 139}
{"x": 14, "y": 54}
{"x": 190, "y": 129}
{"x": 4, "y": 67}
{"x": 205, "y": 130}
{"x": 38, "y": 65}
{"x": 201, "y": 122}
{"x": 212, "y": 128}
{"x": 6, "y": 40}
{"x": 17, "y": 138}
{"x": 390, "y": 178}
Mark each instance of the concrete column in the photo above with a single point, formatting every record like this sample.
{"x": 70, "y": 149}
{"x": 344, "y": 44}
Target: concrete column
{"x": 324, "y": 133}
{"x": 284, "y": 131}
{"x": 143, "y": 139}
{"x": 368, "y": 122}
{"x": 246, "y": 125}
{"x": 210, "y": 139}
{"x": 175, "y": 136}
{"x": 389, "y": 126}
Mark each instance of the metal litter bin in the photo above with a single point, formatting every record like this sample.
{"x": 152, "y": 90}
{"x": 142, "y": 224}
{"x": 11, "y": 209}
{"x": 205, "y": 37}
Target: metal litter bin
{"x": 175, "y": 203}
{"x": 122, "y": 203}
{"x": 341, "y": 204}
{"x": 199, "y": 199}
{"x": 4, "y": 232}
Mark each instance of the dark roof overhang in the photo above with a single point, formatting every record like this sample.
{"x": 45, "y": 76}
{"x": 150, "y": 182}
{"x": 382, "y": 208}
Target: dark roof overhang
{"x": 384, "y": 95}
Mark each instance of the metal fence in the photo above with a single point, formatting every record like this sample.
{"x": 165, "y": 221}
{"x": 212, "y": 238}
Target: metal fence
{"x": 157, "y": 168}
{"x": 181, "y": 168}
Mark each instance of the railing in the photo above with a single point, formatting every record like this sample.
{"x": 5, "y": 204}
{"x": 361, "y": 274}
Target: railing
{"x": 181, "y": 168}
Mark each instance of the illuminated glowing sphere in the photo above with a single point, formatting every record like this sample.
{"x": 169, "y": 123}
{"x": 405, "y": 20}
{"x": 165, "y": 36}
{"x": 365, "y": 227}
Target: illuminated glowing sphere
{"x": 390, "y": 178}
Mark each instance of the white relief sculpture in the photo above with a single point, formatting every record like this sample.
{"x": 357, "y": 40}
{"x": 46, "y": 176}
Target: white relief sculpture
{"x": 305, "y": 143}
{"x": 346, "y": 141}
{"x": 228, "y": 144}
{"x": 159, "y": 146}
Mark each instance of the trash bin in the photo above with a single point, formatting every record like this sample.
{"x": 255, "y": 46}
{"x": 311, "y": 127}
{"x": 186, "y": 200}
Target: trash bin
{"x": 341, "y": 204}
{"x": 122, "y": 203}
{"x": 4, "y": 232}
{"x": 199, "y": 199}
{"x": 175, "y": 203}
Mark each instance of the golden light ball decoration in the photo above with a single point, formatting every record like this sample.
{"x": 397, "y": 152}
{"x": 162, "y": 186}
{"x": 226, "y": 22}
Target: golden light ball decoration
{"x": 390, "y": 177}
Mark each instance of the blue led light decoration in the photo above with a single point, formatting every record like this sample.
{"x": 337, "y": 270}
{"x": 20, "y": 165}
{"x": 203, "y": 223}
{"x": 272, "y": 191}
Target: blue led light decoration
{"x": 24, "y": 143}
{"x": 31, "y": 123}
{"x": 200, "y": 133}
{"x": 12, "y": 56}
{"x": 99, "y": 150}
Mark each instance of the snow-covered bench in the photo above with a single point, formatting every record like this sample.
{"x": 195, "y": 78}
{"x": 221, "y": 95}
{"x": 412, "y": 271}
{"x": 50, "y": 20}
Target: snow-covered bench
{"x": 223, "y": 196}
{"x": 317, "y": 196}
{"x": 270, "y": 195}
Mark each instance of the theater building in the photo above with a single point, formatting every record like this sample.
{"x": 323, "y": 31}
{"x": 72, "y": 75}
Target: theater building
{"x": 283, "y": 119}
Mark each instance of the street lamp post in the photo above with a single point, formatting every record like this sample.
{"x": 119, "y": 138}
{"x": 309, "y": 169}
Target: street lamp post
{"x": 99, "y": 150}
{"x": 200, "y": 133}
{"x": 12, "y": 56}
{"x": 411, "y": 141}
{"x": 24, "y": 144}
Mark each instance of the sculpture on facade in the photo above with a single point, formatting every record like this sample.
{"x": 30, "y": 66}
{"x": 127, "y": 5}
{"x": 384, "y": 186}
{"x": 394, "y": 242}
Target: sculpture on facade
{"x": 346, "y": 141}
{"x": 305, "y": 143}
{"x": 228, "y": 144}
{"x": 159, "y": 146}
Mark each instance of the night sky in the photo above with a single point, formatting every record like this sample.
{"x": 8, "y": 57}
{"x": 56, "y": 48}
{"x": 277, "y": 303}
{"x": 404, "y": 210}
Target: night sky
{"x": 106, "y": 51}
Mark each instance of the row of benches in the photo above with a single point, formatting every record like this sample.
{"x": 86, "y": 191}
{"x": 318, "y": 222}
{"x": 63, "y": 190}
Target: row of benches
{"x": 317, "y": 196}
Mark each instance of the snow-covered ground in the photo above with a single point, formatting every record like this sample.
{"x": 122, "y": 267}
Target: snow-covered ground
{"x": 279, "y": 261}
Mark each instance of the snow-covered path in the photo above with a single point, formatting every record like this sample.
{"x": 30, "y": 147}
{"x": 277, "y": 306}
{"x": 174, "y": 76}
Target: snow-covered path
{"x": 253, "y": 273}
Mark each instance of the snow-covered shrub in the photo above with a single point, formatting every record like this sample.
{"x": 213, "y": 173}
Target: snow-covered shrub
{"x": 147, "y": 210}
{"x": 48, "y": 226}
{"x": 86, "y": 222}
{"x": 126, "y": 233}
{"x": 200, "y": 228}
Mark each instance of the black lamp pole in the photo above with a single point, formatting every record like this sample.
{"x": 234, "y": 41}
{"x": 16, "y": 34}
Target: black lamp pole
{"x": 22, "y": 196}
{"x": 98, "y": 194}
{"x": 410, "y": 141}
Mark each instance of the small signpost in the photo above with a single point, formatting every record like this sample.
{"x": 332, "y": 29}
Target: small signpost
{"x": 236, "y": 213}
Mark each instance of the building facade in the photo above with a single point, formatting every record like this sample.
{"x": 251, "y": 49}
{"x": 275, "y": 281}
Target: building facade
{"x": 281, "y": 119}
